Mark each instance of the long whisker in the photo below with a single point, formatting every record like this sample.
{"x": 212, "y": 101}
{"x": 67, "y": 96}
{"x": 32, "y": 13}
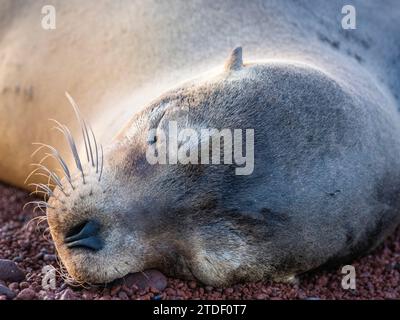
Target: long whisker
{"x": 86, "y": 137}
{"x": 48, "y": 181}
{"x": 56, "y": 155}
{"x": 75, "y": 152}
{"x": 67, "y": 134}
{"x": 49, "y": 155}
{"x": 36, "y": 151}
{"x": 39, "y": 190}
{"x": 90, "y": 145}
{"x": 40, "y": 208}
{"x": 45, "y": 194}
{"x": 34, "y": 172}
{"x": 43, "y": 187}
{"x": 102, "y": 162}
{"x": 30, "y": 175}
{"x": 96, "y": 149}
{"x": 40, "y": 219}
{"x": 46, "y": 176}
{"x": 83, "y": 125}
{"x": 40, "y": 204}
{"x": 36, "y": 185}
{"x": 46, "y": 156}
{"x": 54, "y": 176}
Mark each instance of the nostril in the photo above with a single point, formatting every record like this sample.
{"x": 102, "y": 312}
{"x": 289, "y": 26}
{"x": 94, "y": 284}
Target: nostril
{"x": 76, "y": 229}
{"x": 85, "y": 235}
{"x": 83, "y": 230}
{"x": 92, "y": 243}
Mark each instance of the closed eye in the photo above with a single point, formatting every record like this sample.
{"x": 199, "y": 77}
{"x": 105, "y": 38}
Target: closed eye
{"x": 152, "y": 139}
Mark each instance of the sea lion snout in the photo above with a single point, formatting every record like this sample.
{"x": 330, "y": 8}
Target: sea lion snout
{"x": 88, "y": 225}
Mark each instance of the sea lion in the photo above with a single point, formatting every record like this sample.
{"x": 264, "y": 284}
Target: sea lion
{"x": 326, "y": 136}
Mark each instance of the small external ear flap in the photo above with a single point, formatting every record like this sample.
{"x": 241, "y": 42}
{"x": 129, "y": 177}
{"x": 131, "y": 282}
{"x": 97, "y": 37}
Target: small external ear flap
{"x": 235, "y": 60}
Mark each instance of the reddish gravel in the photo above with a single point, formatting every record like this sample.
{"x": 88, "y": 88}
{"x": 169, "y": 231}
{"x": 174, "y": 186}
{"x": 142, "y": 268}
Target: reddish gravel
{"x": 378, "y": 275}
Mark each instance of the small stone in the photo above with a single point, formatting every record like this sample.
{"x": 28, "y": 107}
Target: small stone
{"x": 322, "y": 281}
{"x": 14, "y": 286}
{"x": 87, "y": 295}
{"x": 26, "y": 294}
{"x": 36, "y": 287}
{"x": 9, "y": 271}
{"x": 181, "y": 293}
{"x": 18, "y": 259}
{"x": 123, "y": 296}
{"x": 129, "y": 291}
{"x": 49, "y": 257}
{"x": 170, "y": 292}
{"x": 48, "y": 296}
{"x": 209, "y": 288}
{"x": 260, "y": 296}
{"x": 8, "y": 293}
{"x": 145, "y": 297}
{"x": 68, "y": 294}
{"x": 24, "y": 285}
{"x": 154, "y": 290}
{"x": 192, "y": 284}
{"x": 229, "y": 291}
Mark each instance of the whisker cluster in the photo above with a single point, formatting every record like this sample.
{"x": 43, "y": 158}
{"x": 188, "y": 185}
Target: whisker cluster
{"x": 94, "y": 155}
{"x": 38, "y": 205}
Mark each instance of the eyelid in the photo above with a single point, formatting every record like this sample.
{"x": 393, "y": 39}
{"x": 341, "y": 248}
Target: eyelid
{"x": 152, "y": 140}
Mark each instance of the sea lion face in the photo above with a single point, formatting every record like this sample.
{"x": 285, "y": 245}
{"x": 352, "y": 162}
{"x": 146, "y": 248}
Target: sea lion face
{"x": 139, "y": 215}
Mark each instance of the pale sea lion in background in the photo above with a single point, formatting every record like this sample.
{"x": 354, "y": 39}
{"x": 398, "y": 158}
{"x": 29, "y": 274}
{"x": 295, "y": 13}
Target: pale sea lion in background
{"x": 322, "y": 102}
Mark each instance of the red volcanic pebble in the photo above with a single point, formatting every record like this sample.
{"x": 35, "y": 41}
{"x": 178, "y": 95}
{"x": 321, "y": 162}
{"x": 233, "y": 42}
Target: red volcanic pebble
{"x": 27, "y": 294}
{"x": 27, "y": 248}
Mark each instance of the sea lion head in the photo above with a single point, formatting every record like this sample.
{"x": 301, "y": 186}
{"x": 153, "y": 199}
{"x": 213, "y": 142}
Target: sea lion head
{"x": 118, "y": 213}
{"x": 126, "y": 214}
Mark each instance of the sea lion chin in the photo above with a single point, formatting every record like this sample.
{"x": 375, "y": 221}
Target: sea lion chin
{"x": 119, "y": 214}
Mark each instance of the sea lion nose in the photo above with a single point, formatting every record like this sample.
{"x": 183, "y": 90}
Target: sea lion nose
{"x": 85, "y": 236}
